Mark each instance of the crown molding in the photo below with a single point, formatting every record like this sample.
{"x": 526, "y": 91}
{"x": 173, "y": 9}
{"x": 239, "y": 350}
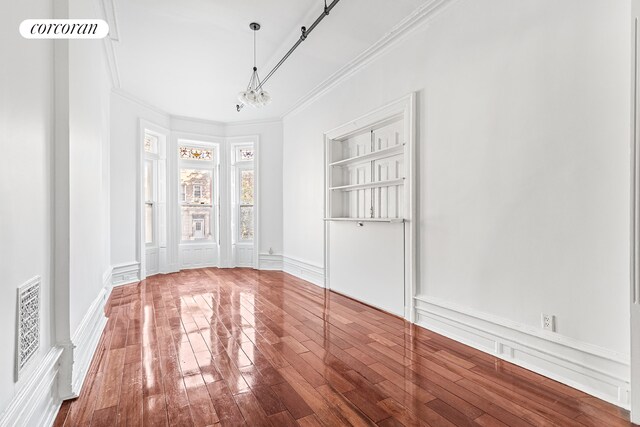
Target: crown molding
{"x": 198, "y": 120}
{"x": 112, "y": 62}
{"x": 225, "y": 125}
{"x": 412, "y": 23}
{"x": 106, "y": 10}
{"x": 111, "y": 16}
{"x": 269, "y": 121}
{"x": 126, "y": 95}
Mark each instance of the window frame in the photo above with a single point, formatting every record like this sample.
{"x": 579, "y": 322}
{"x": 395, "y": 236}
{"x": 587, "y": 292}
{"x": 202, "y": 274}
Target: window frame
{"x": 152, "y": 158}
{"x": 211, "y": 166}
{"x": 241, "y": 167}
{"x": 199, "y": 188}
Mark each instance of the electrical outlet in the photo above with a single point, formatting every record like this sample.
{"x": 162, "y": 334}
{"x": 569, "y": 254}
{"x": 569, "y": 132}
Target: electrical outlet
{"x": 549, "y": 322}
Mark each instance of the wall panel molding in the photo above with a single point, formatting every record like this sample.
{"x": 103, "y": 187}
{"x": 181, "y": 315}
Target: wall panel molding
{"x": 270, "y": 262}
{"x": 597, "y": 371}
{"x": 36, "y": 403}
{"x": 304, "y": 270}
{"x": 85, "y": 339}
{"x": 124, "y": 274}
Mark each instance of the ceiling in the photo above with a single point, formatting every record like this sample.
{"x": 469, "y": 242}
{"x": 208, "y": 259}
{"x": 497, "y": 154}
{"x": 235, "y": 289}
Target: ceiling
{"x": 192, "y": 57}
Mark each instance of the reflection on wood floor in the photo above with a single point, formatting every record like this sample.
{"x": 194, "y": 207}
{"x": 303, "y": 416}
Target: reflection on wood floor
{"x": 244, "y": 347}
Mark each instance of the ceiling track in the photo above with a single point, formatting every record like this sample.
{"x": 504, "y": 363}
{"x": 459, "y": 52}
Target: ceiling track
{"x": 305, "y": 33}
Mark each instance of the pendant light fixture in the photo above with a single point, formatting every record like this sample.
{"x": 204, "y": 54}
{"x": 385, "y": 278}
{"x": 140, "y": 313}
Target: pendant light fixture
{"x": 255, "y": 95}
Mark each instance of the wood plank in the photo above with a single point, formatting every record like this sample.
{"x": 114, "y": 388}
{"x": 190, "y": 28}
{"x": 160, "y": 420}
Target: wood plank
{"x": 240, "y": 347}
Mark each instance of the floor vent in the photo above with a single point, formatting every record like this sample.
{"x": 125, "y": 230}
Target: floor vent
{"x": 28, "y": 336}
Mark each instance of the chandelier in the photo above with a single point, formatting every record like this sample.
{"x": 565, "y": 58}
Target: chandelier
{"x": 255, "y": 95}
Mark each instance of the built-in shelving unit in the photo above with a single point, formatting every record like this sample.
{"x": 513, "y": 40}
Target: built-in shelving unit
{"x": 389, "y": 220}
{"x": 366, "y": 174}
{"x": 386, "y": 183}
{"x": 374, "y": 155}
{"x": 369, "y": 215}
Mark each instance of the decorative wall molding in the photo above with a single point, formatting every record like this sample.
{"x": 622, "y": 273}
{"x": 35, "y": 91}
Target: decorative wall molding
{"x": 126, "y": 95}
{"x": 36, "y": 403}
{"x": 124, "y": 274}
{"x": 111, "y": 16}
{"x": 224, "y": 125}
{"x": 600, "y": 372}
{"x": 401, "y": 31}
{"x": 270, "y": 262}
{"x": 304, "y": 270}
{"x": 112, "y": 62}
{"x": 85, "y": 339}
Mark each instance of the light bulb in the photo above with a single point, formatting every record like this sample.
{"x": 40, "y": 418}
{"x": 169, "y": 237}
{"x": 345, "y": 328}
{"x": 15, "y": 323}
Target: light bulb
{"x": 265, "y": 97}
{"x": 252, "y": 96}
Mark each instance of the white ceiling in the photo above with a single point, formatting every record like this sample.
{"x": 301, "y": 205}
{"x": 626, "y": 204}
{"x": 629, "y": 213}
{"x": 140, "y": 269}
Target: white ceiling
{"x": 192, "y": 57}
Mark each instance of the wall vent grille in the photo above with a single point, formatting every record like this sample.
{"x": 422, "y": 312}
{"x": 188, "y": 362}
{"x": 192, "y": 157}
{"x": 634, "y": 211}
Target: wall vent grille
{"x": 28, "y": 323}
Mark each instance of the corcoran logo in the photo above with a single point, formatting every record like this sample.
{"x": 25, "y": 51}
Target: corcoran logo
{"x": 64, "y": 29}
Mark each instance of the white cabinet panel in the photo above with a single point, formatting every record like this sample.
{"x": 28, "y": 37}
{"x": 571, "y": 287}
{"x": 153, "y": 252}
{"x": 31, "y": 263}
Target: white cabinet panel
{"x": 367, "y": 263}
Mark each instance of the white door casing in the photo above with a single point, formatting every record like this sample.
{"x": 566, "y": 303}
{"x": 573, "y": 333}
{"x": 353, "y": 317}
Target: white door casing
{"x": 635, "y": 216}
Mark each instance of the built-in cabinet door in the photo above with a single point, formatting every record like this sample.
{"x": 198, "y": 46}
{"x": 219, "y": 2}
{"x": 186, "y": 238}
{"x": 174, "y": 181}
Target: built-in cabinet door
{"x": 367, "y": 263}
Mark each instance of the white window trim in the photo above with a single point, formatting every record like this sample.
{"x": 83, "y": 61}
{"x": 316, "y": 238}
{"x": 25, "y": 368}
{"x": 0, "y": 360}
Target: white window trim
{"x": 161, "y": 241}
{"x": 240, "y": 167}
{"x": 208, "y": 165}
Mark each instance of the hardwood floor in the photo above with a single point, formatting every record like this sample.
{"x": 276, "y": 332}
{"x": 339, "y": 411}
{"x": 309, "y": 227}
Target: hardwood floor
{"x": 242, "y": 347}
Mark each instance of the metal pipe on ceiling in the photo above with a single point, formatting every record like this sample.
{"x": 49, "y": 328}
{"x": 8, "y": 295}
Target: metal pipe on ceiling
{"x": 305, "y": 33}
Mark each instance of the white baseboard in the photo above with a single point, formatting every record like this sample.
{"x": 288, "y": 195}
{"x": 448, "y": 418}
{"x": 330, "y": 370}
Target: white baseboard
{"x": 594, "y": 370}
{"x": 36, "y": 402}
{"x": 124, "y": 274}
{"x": 304, "y": 270}
{"x": 85, "y": 339}
{"x": 270, "y": 262}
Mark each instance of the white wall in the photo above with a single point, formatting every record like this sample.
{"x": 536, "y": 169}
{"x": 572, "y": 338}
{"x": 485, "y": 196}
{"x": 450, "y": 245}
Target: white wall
{"x": 26, "y": 138}
{"x": 269, "y": 180}
{"x": 523, "y": 124}
{"x": 125, "y": 125}
{"x": 89, "y": 122}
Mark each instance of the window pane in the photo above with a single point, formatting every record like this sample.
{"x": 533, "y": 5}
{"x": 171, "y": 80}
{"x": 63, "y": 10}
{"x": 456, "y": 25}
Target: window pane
{"x": 150, "y": 143}
{"x": 246, "y": 187}
{"x": 246, "y": 222}
{"x": 148, "y": 223}
{"x": 196, "y": 223}
{"x": 192, "y": 153}
{"x": 197, "y": 186}
{"x": 148, "y": 180}
{"x": 245, "y": 154}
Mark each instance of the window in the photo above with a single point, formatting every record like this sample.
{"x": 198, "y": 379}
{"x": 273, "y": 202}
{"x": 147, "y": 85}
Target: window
{"x": 197, "y": 191}
{"x": 246, "y": 154}
{"x": 197, "y": 194}
{"x": 149, "y": 201}
{"x": 150, "y": 143}
{"x": 245, "y": 220}
{"x": 193, "y": 153}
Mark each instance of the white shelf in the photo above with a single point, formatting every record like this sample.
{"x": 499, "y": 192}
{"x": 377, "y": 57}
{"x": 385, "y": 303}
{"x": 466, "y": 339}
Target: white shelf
{"x": 378, "y": 184}
{"x": 375, "y": 155}
{"x": 391, "y": 220}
